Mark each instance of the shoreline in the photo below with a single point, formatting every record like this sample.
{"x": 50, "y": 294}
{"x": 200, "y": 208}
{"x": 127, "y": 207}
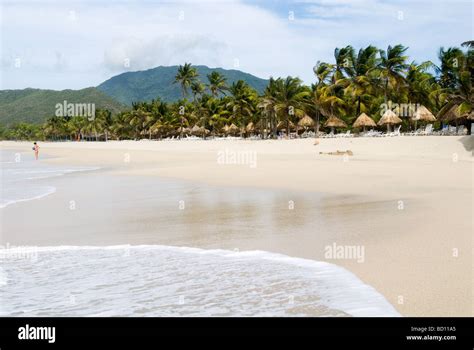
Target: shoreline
{"x": 407, "y": 255}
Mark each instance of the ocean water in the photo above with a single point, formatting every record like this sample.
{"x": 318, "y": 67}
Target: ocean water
{"x": 19, "y": 173}
{"x": 155, "y": 280}
{"x": 159, "y": 280}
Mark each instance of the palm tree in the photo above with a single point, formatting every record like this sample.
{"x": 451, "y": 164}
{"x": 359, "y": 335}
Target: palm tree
{"x": 360, "y": 82}
{"x": 452, "y": 60}
{"x": 242, "y": 102}
{"x": 315, "y": 105}
{"x": 185, "y": 76}
{"x": 139, "y": 120}
{"x": 392, "y": 68}
{"x": 217, "y": 83}
{"x": 342, "y": 57}
{"x": 267, "y": 104}
{"x": 197, "y": 88}
{"x": 460, "y": 90}
{"x": 420, "y": 83}
{"x": 290, "y": 99}
{"x": 55, "y": 127}
{"x": 76, "y": 126}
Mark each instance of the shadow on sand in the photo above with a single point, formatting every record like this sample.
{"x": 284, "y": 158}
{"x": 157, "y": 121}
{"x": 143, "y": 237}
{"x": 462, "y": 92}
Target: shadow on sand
{"x": 468, "y": 143}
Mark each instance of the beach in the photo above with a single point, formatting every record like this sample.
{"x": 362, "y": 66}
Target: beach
{"x": 406, "y": 203}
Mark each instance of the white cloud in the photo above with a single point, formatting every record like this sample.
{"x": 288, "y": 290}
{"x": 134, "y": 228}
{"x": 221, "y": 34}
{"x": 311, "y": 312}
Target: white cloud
{"x": 83, "y": 43}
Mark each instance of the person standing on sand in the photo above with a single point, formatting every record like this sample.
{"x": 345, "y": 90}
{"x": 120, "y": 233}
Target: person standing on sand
{"x": 36, "y": 149}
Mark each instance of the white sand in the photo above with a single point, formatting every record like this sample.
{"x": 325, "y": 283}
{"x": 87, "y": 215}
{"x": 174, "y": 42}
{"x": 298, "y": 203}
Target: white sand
{"x": 407, "y": 200}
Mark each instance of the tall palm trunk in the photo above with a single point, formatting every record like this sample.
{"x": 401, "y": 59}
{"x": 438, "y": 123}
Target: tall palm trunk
{"x": 316, "y": 125}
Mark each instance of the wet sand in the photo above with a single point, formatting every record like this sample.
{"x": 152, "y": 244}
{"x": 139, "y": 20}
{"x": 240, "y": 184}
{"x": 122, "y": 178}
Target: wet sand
{"x": 407, "y": 201}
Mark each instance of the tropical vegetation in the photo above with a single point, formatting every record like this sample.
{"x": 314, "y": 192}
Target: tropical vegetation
{"x": 359, "y": 81}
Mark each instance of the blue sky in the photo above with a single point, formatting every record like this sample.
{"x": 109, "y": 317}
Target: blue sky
{"x": 60, "y": 44}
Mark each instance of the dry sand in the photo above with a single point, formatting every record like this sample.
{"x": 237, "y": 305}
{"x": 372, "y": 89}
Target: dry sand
{"x": 407, "y": 200}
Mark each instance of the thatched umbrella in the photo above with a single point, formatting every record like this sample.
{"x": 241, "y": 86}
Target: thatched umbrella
{"x": 450, "y": 115}
{"x": 389, "y": 118}
{"x": 183, "y": 130}
{"x": 306, "y": 122}
{"x": 225, "y": 129}
{"x": 335, "y": 122}
{"x": 282, "y": 125}
{"x": 250, "y": 128}
{"x": 422, "y": 113}
{"x": 196, "y": 130}
{"x": 364, "y": 121}
{"x": 205, "y": 131}
{"x": 233, "y": 129}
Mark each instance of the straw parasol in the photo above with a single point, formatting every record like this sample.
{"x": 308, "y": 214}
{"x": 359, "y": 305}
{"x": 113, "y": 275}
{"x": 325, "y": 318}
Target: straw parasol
{"x": 453, "y": 114}
{"x": 306, "y": 122}
{"x": 364, "y": 121}
{"x": 250, "y": 127}
{"x": 389, "y": 118}
{"x": 184, "y": 130}
{"x": 282, "y": 125}
{"x": 225, "y": 129}
{"x": 423, "y": 113}
{"x": 233, "y": 129}
{"x": 196, "y": 130}
{"x": 335, "y": 122}
{"x": 450, "y": 115}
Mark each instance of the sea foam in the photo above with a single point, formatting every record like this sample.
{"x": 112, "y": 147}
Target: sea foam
{"x": 155, "y": 280}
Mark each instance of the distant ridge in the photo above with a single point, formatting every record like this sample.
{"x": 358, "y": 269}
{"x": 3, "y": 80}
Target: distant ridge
{"x": 36, "y": 105}
{"x": 159, "y": 82}
{"x": 115, "y": 94}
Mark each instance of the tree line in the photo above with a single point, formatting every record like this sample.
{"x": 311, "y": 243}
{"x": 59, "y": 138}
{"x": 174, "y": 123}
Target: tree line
{"x": 359, "y": 81}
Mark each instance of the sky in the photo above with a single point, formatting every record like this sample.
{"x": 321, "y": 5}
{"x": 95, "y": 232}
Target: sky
{"x": 76, "y": 44}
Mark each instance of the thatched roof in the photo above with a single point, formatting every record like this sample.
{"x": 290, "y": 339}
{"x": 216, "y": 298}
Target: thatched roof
{"x": 184, "y": 130}
{"x": 250, "y": 127}
{"x": 422, "y": 113}
{"x": 233, "y": 129}
{"x": 282, "y": 125}
{"x": 364, "y": 120}
{"x": 389, "y": 118}
{"x": 453, "y": 113}
{"x": 197, "y": 130}
{"x": 306, "y": 122}
{"x": 335, "y": 122}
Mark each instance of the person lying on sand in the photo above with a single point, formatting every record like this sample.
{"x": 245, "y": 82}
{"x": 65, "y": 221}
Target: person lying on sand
{"x": 338, "y": 153}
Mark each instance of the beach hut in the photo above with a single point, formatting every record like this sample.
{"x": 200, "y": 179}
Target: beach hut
{"x": 334, "y": 122}
{"x": 389, "y": 118}
{"x": 364, "y": 121}
{"x": 306, "y": 122}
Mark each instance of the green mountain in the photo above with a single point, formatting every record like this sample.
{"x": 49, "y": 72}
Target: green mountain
{"x": 159, "y": 82}
{"x": 35, "y": 105}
